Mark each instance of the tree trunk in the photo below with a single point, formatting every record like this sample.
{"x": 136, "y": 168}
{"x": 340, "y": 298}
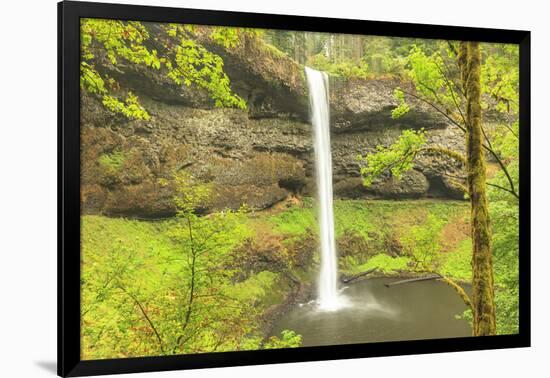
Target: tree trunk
{"x": 357, "y": 276}
{"x": 357, "y": 46}
{"x": 300, "y": 47}
{"x": 484, "y": 322}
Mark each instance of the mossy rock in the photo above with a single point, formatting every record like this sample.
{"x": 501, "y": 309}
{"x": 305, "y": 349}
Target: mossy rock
{"x": 148, "y": 199}
{"x": 258, "y": 182}
{"x": 413, "y": 184}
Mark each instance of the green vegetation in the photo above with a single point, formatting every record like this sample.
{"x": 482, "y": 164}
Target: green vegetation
{"x": 210, "y": 280}
{"x": 131, "y": 268}
{"x": 395, "y": 159}
{"x": 112, "y": 161}
{"x": 183, "y": 59}
{"x": 504, "y": 211}
{"x": 459, "y": 80}
{"x": 347, "y": 56}
{"x": 384, "y": 263}
{"x": 458, "y": 264}
{"x": 168, "y": 287}
{"x": 393, "y": 235}
{"x": 345, "y": 69}
{"x": 257, "y": 289}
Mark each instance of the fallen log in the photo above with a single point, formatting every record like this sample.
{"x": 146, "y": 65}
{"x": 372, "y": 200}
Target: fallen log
{"x": 432, "y": 277}
{"x": 356, "y": 276}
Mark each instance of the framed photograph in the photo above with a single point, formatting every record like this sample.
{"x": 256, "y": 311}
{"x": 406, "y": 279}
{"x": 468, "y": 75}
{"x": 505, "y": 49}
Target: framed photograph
{"x": 240, "y": 188}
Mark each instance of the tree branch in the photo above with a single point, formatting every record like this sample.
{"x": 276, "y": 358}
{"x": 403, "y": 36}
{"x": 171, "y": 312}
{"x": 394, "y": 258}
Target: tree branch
{"x": 450, "y": 86}
{"x": 500, "y": 163}
{"x": 511, "y": 130}
{"x": 445, "y": 152}
{"x": 436, "y": 108}
{"x": 460, "y": 291}
{"x": 503, "y": 188}
{"x": 486, "y": 146}
{"x": 137, "y": 302}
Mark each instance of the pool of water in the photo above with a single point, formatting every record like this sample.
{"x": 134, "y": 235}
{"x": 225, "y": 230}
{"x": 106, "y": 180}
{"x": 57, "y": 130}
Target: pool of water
{"x": 374, "y": 312}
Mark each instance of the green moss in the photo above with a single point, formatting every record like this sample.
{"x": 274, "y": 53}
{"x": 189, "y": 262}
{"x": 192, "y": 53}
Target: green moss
{"x": 387, "y": 227}
{"x": 99, "y": 233}
{"x": 112, "y": 161}
{"x": 147, "y": 245}
{"x": 375, "y": 221}
{"x": 295, "y": 221}
{"x": 366, "y": 218}
{"x": 259, "y": 288}
{"x": 273, "y": 51}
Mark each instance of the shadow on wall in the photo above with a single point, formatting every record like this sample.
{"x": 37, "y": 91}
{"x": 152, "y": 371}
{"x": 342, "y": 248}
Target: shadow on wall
{"x": 438, "y": 189}
{"x": 49, "y": 366}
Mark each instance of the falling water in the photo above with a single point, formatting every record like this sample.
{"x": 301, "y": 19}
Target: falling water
{"x": 319, "y": 110}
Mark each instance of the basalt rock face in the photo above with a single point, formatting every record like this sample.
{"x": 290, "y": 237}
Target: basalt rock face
{"x": 258, "y": 156}
{"x": 127, "y": 166}
{"x": 367, "y": 105}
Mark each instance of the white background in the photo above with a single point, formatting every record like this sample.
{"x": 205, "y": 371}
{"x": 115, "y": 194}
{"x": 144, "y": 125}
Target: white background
{"x": 28, "y": 186}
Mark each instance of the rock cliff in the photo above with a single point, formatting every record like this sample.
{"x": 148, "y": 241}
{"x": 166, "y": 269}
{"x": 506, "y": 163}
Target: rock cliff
{"x": 257, "y": 156}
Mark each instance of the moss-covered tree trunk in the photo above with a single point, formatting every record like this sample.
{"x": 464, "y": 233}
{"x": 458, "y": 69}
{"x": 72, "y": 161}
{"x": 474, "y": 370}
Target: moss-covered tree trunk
{"x": 483, "y": 303}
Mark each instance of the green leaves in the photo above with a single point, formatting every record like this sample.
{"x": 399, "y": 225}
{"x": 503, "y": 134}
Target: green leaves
{"x": 190, "y": 194}
{"x": 500, "y": 77}
{"x": 208, "y": 318}
{"x": 193, "y": 64}
{"x": 346, "y": 69}
{"x": 91, "y": 80}
{"x": 504, "y": 211}
{"x": 425, "y": 71}
{"x": 185, "y": 62}
{"x": 395, "y": 159}
{"x": 163, "y": 269}
{"x": 131, "y": 108}
{"x": 402, "y": 107}
{"x": 437, "y": 83}
{"x": 118, "y": 39}
{"x": 435, "y": 78}
{"x": 226, "y": 37}
{"x": 422, "y": 243}
{"x": 288, "y": 339}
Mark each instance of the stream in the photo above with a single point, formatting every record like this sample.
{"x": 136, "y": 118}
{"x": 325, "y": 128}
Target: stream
{"x": 374, "y": 313}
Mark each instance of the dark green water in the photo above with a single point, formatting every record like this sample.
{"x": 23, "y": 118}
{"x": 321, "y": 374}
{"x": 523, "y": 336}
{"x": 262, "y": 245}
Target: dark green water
{"x": 419, "y": 310}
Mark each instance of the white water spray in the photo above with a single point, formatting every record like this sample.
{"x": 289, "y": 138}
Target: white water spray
{"x": 320, "y": 118}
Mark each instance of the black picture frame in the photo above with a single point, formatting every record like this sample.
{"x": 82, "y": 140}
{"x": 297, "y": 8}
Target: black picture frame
{"x": 69, "y": 14}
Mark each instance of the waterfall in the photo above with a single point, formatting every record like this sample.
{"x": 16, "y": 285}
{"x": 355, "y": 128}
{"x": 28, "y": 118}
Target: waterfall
{"x": 319, "y": 112}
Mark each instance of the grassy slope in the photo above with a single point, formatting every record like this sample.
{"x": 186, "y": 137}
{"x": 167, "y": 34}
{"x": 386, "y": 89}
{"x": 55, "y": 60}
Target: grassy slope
{"x": 108, "y": 242}
{"x": 147, "y": 253}
{"x": 382, "y": 222}
{"x": 374, "y": 221}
